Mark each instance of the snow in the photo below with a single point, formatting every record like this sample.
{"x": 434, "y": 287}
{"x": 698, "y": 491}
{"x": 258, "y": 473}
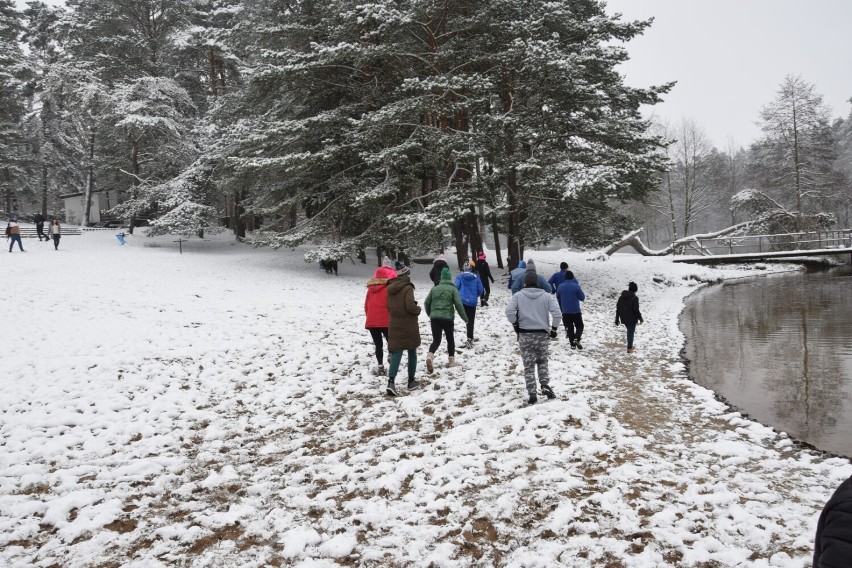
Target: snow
{"x": 217, "y": 408}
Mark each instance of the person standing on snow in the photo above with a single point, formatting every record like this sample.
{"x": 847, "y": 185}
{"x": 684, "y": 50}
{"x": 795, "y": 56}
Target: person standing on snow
{"x": 484, "y": 272}
{"x": 517, "y": 274}
{"x": 558, "y": 278}
{"x": 376, "y": 309}
{"x": 627, "y": 312}
{"x": 39, "y": 223}
{"x": 438, "y": 265}
{"x": 568, "y": 296}
{"x": 55, "y": 232}
{"x": 533, "y": 312}
{"x": 833, "y": 541}
{"x": 403, "y": 331}
{"x": 13, "y": 233}
{"x": 518, "y": 284}
{"x": 470, "y": 290}
{"x": 440, "y": 304}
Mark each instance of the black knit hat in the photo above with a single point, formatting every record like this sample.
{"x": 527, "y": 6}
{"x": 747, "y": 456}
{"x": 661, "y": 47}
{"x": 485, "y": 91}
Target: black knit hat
{"x": 633, "y": 287}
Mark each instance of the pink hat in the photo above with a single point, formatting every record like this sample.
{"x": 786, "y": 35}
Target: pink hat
{"x": 481, "y": 255}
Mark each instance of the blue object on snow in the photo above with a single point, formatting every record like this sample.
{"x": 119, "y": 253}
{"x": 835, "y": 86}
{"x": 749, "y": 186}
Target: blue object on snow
{"x": 120, "y": 237}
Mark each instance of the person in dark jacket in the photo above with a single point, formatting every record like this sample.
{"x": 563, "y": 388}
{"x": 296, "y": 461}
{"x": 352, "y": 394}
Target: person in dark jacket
{"x": 438, "y": 265}
{"x": 627, "y": 312}
{"x": 558, "y": 277}
{"x": 484, "y": 272}
{"x": 376, "y": 309}
{"x": 441, "y": 305}
{"x": 833, "y": 542}
{"x": 569, "y": 295}
{"x": 39, "y": 220}
{"x": 470, "y": 289}
{"x": 403, "y": 331}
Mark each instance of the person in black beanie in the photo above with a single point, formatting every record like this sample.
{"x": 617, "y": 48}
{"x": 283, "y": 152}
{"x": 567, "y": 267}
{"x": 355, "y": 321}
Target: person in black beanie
{"x": 627, "y": 312}
{"x": 833, "y": 541}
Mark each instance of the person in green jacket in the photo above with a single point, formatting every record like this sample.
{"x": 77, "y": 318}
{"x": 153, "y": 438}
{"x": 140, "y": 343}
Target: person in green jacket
{"x": 441, "y": 304}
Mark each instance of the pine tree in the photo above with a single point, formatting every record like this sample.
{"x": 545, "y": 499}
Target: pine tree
{"x": 14, "y": 73}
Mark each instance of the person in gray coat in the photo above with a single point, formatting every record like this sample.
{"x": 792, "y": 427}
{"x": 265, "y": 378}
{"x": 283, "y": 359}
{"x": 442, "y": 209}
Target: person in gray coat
{"x": 535, "y": 315}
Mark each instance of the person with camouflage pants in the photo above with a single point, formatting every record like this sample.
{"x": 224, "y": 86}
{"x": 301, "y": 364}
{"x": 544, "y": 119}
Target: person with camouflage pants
{"x": 535, "y": 316}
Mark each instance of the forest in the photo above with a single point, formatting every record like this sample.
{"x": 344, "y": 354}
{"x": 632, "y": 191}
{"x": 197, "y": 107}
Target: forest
{"x": 397, "y": 127}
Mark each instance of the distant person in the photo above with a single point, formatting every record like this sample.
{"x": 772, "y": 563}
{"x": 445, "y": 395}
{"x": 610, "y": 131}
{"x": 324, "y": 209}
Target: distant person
{"x": 517, "y": 273}
{"x": 518, "y": 284}
{"x": 403, "y": 331}
{"x": 329, "y": 265}
{"x": 833, "y": 542}
{"x": 558, "y": 277}
{"x": 376, "y": 309}
{"x": 470, "y": 289}
{"x": 39, "y": 220}
{"x": 627, "y": 312}
{"x": 568, "y": 296}
{"x": 441, "y": 305}
{"x": 13, "y": 233}
{"x": 55, "y": 232}
{"x": 484, "y": 272}
{"x": 535, "y": 315}
{"x": 438, "y": 265}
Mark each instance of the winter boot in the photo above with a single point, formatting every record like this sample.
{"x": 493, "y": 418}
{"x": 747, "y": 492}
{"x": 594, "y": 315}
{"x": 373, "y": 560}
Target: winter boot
{"x": 381, "y": 370}
{"x": 469, "y": 343}
{"x": 430, "y": 367}
{"x": 413, "y": 384}
{"x": 452, "y": 362}
{"x": 548, "y": 392}
{"x": 533, "y": 399}
{"x": 391, "y": 390}
{"x": 578, "y": 345}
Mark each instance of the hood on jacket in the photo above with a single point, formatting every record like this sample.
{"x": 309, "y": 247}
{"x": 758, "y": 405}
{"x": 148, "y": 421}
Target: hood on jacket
{"x": 384, "y": 272}
{"x": 374, "y": 283}
{"x": 532, "y": 292}
{"x": 467, "y": 275}
{"x": 398, "y": 284}
{"x": 522, "y": 264}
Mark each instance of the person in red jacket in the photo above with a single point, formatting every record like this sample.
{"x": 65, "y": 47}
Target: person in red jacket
{"x": 376, "y": 309}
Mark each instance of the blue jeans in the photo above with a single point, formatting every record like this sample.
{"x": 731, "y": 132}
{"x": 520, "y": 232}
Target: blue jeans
{"x": 396, "y": 359}
{"x": 631, "y": 329}
{"x": 14, "y": 238}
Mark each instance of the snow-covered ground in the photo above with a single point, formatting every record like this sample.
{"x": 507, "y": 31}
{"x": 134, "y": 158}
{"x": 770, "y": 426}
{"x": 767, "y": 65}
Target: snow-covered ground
{"x": 217, "y": 408}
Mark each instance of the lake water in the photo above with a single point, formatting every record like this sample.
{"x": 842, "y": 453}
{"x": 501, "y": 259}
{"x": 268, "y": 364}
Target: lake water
{"x": 779, "y": 348}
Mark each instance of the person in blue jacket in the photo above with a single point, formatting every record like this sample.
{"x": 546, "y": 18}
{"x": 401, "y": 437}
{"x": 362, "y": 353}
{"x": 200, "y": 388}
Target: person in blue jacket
{"x": 470, "y": 289}
{"x": 569, "y": 295}
{"x": 517, "y": 274}
{"x": 558, "y": 277}
{"x": 518, "y": 284}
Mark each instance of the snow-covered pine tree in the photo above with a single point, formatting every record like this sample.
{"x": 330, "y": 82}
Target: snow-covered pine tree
{"x": 14, "y": 72}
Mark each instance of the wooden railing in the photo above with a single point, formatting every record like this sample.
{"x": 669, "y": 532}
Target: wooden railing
{"x": 808, "y": 240}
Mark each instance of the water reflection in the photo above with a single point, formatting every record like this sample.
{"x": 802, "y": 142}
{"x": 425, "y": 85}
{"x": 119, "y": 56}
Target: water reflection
{"x": 779, "y": 347}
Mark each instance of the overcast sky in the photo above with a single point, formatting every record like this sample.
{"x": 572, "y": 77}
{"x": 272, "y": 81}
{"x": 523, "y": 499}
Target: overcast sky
{"x": 729, "y": 57}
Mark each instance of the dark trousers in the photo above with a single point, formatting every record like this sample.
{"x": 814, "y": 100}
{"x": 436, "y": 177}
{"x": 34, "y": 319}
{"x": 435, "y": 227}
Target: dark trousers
{"x": 471, "y": 316}
{"x": 444, "y": 326}
{"x": 376, "y": 333}
{"x": 40, "y": 232}
{"x": 574, "y": 326}
{"x": 631, "y": 329}
{"x": 487, "y": 285}
{"x": 56, "y": 241}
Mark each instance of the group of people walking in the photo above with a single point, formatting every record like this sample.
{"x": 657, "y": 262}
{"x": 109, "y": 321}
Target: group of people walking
{"x": 535, "y": 310}
{"x": 13, "y": 231}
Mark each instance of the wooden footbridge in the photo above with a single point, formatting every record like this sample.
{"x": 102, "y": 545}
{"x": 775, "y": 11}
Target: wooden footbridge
{"x": 757, "y": 248}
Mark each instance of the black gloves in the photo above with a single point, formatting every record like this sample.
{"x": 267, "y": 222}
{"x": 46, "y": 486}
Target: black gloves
{"x": 553, "y": 333}
{"x": 517, "y": 327}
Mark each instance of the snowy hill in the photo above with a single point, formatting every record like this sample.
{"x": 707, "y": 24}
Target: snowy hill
{"x": 217, "y": 408}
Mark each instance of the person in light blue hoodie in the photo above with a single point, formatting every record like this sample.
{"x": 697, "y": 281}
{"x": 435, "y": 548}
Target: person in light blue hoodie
{"x": 470, "y": 289}
{"x": 517, "y": 274}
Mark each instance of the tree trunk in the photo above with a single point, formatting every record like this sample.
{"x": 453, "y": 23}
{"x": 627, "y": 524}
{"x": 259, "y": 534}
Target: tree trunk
{"x": 44, "y": 190}
{"x": 239, "y": 223}
{"x": 90, "y": 181}
{"x": 134, "y": 157}
{"x": 514, "y": 238}
{"x": 473, "y": 231}
{"x": 460, "y": 242}
{"x": 494, "y": 228}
